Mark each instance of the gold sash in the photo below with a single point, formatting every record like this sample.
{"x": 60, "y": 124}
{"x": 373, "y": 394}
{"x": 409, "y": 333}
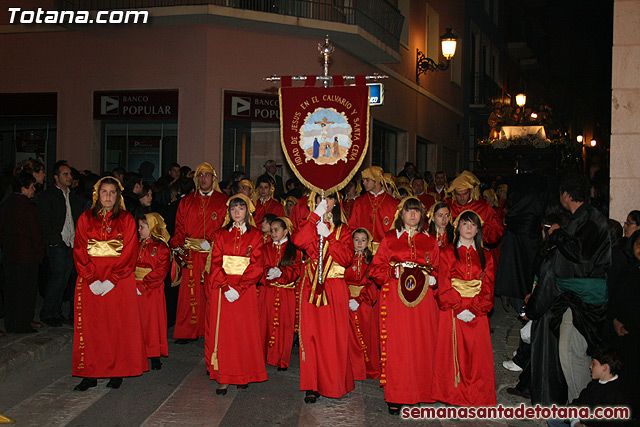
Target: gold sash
{"x": 336, "y": 271}
{"x": 280, "y": 285}
{"x": 141, "y": 272}
{"x": 194, "y": 244}
{"x": 104, "y": 248}
{"x": 354, "y": 291}
{"x": 235, "y": 265}
{"x": 467, "y": 288}
{"x": 374, "y": 247}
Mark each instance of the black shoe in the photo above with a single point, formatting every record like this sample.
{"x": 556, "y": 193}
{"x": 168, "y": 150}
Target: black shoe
{"x": 222, "y": 391}
{"x": 86, "y": 384}
{"x": 311, "y": 396}
{"x": 183, "y": 341}
{"x": 114, "y": 382}
{"x": 54, "y": 323}
{"x": 515, "y": 392}
{"x": 282, "y": 369}
{"x": 242, "y": 387}
{"x": 394, "y": 408}
{"x": 156, "y": 364}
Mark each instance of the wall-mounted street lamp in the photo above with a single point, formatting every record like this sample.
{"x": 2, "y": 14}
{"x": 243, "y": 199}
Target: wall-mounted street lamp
{"x": 521, "y": 100}
{"x": 448, "y": 41}
{"x": 593, "y": 143}
{"x": 580, "y": 138}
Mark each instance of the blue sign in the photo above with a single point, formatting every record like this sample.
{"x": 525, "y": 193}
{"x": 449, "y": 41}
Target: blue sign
{"x": 376, "y": 93}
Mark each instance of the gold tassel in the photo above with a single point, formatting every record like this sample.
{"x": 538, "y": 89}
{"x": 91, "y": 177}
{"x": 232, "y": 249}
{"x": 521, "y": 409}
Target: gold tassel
{"x": 214, "y": 356}
{"x": 456, "y": 363}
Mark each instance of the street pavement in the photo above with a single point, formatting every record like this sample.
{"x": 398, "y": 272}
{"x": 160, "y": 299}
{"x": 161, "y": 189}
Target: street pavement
{"x": 36, "y": 389}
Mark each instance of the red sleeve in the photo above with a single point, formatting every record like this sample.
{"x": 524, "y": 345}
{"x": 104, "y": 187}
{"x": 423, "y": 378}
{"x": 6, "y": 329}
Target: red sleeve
{"x": 447, "y": 297}
{"x": 85, "y": 268}
{"x": 253, "y": 272}
{"x": 380, "y": 271}
{"x": 216, "y": 277}
{"x": 493, "y": 228}
{"x": 341, "y": 250}
{"x": 126, "y": 262}
{"x": 306, "y": 237}
{"x": 161, "y": 263}
{"x": 292, "y": 272}
{"x": 259, "y": 214}
{"x": 179, "y": 235}
{"x": 368, "y": 293}
{"x": 279, "y": 209}
{"x": 482, "y": 303}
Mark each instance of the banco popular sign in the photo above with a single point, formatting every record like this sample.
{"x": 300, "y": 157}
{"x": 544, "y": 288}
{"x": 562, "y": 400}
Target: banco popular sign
{"x": 137, "y": 105}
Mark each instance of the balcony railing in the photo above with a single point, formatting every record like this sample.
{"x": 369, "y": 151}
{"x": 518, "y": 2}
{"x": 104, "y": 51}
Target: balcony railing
{"x": 377, "y": 17}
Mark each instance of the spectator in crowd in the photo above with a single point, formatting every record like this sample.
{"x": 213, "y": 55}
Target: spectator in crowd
{"x": 409, "y": 171}
{"x": 59, "y": 209}
{"x": 22, "y": 251}
{"x": 108, "y": 340}
{"x": 132, "y": 190}
{"x": 119, "y": 173}
{"x": 270, "y": 168}
{"x": 581, "y": 272}
{"x": 187, "y": 172}
{"x": 439, "y": 186}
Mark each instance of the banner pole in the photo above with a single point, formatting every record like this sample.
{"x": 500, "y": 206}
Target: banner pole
{"x": 320, "y": 250}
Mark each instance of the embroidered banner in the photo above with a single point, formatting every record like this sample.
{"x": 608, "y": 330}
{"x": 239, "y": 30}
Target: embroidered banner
{"x": 325, "y": 133}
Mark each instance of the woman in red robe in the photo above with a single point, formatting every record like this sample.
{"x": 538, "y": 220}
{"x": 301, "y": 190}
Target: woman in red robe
{"x": 106, "y": 306}
{"x": 406, "y": 265}
{"x": 324, "y": 314}
{"x": 439, "y": 218}
{"x": 233, "y": 351}
{"x": 152, "y": 266}
{"x": 364, "y": 340}
{"x": 277, "y": 299}
{"x": 464, "y": 357}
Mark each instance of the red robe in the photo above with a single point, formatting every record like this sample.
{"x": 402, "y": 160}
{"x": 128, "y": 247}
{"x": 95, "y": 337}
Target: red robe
{"x": 442, "y": 239}
{"x": 364, "y": 340}
{"x": 477, "y": 385}
{"x": 299, "y": 212}
{"x": 153, "y": 309}
{"x": 324, "y": 331}
{"x": 408, "y": 334}
{"x": 427, "y": 199}
{"x": 347, "y": 207}
{"x": 270, "y": 206}
{"x": 277, "y": 306}
{"x": 375, "y": 213}
{"x": 492, "y": 228}
{"x": 234, "y": 327}
{"x": 198, "y": 217}
{"x": 104, "y": 323}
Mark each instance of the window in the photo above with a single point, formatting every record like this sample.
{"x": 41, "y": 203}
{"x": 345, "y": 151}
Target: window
{"x": 432, "y": 42}
{"x": 405, "y": 8}
{"x": 384, "y": 147}
{"x": 456, "y": 63}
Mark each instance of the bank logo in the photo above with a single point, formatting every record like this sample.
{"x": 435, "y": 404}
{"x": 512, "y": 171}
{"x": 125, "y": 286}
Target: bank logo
{"x": 240, "y": 106}
{"x": 109, "y": 104}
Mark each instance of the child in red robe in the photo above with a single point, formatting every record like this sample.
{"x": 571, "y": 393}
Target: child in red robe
{"x": 464, "y": 357}
{"x": 233, "y": 351}
{"x": 364, "y": 341}
{"x": 152, "y": 266}
{"x": 277, "y": 299}
{"x": 439, "y": 218}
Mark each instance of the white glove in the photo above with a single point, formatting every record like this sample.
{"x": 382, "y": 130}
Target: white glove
{"x": 205, "y": 245}
{"x": 274, "y": 273}
{"x": 466, "y": 316}
{"x": 396, "y": 272}
{"x": 96, "y": 287}
{"x": 322, "y": 229}
{"x": 107, "y": 286}
{"x": 231, "y": 295}
{"x": 138, "y": 291}
{"x": 321, "y": 209}
{"x": 432, "y": 281}
{"x": 353, "y": 304}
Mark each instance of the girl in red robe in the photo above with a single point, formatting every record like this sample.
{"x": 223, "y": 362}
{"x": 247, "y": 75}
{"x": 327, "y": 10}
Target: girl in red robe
{"x": 324, "y": 314}
{"x": 439, "y": 217}
{"x": 106, "y": 307}
{"x": 233, "y": 351}
{"x": 277, "y": 299}
{"x": 406, "y": 265}
{"x": 364, "y": 340}
{"x": 152, "y": 266}
{"x": 464, "y": 357}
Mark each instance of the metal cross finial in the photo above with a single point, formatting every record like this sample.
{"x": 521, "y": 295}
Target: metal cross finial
{"x": 326, "y": 50}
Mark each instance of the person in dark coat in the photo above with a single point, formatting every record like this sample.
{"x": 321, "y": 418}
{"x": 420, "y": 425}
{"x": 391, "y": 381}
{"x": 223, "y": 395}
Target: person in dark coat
{"x": 59, "y": 209}
{"x": 22, "y": 251}
{"x": 526, "y": 202}
{"x": 270, "y": 168}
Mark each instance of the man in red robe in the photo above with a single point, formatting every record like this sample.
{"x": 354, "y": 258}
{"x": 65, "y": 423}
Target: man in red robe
{"x": 465, "y": 190}
{"x": 199, "y": 215}
{"x": 427, "y": 199}
{"x": 265, "y": 203}
{"x": 375, "y": 209}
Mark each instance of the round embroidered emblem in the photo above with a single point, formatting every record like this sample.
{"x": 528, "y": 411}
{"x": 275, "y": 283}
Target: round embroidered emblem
{"x": 154, "y": 251}
{"x": 214, "y": 216}
{"x": 386, "y": 220}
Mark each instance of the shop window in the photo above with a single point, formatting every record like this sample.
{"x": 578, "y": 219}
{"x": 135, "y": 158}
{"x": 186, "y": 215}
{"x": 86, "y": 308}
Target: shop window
{"x": 384, "y": 147}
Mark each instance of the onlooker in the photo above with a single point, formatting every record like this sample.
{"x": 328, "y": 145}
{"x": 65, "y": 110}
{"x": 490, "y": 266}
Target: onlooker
{"x": 23, "y": 250}
{"x": 270, "y": 168}
{"x": 118, "y": 173}
{"x": 132, "y": 190}
{"x": 409, "y": 171}
{"x": 59, "y": 209}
